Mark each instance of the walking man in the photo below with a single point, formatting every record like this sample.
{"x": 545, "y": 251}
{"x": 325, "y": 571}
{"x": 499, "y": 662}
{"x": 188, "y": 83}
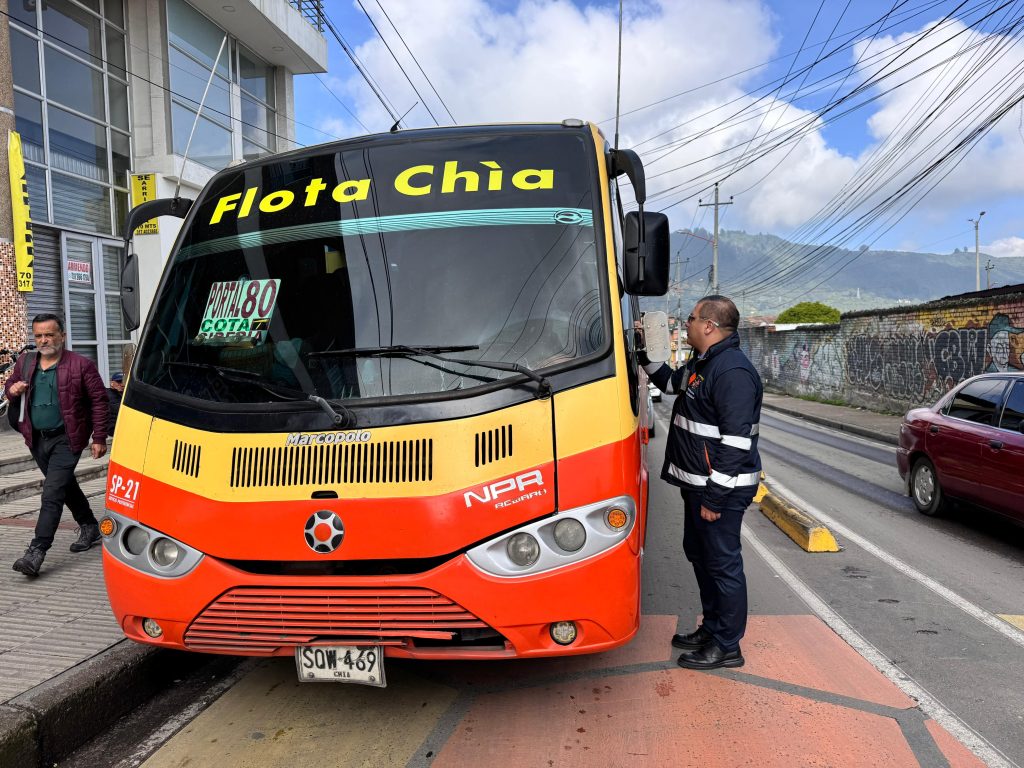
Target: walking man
{"x": 712, "y": 457}
{"x": 65, "y": 401}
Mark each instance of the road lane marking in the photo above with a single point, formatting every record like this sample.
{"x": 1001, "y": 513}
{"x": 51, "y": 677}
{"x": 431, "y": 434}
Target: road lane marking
{"x": 931, "y": 706}
{"x": 815, "y": 426}
{"x": 985, "y": 617}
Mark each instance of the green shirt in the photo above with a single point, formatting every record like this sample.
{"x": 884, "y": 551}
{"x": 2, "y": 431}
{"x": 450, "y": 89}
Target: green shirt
{"x": 45, "y": 400}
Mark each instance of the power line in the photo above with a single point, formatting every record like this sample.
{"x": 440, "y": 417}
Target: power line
{"x": 417, "y": 62}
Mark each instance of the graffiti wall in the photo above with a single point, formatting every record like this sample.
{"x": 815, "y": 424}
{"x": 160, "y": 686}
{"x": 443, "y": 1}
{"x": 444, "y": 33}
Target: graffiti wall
{"x": 891, "y": 360}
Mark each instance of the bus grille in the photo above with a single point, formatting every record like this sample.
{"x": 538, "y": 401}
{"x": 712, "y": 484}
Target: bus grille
{"x": 492, "y": 445}
{"x": 259, "y": 620}
{"x": 186, "y": 458}
{"x": 401, "y": 461}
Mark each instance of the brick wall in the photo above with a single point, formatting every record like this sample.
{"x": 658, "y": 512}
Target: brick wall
{"x": 894, "y": 359}
{"x": 13, "y": 308}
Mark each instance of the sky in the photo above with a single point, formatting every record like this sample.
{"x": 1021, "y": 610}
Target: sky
{"x": 688, "y": 66}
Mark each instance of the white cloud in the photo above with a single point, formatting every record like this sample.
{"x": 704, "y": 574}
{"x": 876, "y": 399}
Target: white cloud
{"x": 1006, "y": 246}
{"x": 544, "y": 60}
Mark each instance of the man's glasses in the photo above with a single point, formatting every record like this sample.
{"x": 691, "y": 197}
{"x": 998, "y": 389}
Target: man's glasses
{"x": 691, "y": 318}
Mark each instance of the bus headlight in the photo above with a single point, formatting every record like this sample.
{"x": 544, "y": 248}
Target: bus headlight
{"x": 523, "y": 549}
{"x": 165, "y": 552}
{"x": 570, "y": 534}
{"x": 557, "y": 541}
{"x": 144, "y": 549}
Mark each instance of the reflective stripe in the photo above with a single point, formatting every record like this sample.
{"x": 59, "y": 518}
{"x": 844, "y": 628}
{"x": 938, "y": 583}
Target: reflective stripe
{"x": 704, "y": 430}
{"x": 687, "y": 477}
{"x": 727, "y": 481}
{"x": 743, "y": 443}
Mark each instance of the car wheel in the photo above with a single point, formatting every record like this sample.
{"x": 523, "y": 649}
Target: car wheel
{"x": 925, "y": 489}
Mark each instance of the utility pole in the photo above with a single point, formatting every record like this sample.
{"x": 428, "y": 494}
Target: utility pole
{"x": 714, "y": 242}
{"x": 977, "y": 253}
{"x": 989, "y": 266}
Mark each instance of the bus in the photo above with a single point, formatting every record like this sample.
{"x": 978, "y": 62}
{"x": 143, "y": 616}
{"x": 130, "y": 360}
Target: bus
{"x": 386, "y": 404}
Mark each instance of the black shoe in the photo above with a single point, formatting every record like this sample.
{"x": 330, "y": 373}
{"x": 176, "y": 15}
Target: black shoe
{"x": 693, "y": 641}
{"x": 88, "y": 535}
{"x": 30, "y": 562}
{"x": 711, "y": 657}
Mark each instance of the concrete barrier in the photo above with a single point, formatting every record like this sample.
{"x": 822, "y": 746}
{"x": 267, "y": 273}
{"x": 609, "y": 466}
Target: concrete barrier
{"x": 811, "y": 535}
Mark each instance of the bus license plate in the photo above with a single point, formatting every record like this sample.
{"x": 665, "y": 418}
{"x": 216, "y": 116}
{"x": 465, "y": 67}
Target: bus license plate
{"x": 362, "y": 664}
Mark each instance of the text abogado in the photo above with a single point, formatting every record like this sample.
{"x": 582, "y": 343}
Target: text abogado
{"x": 327, "y": 438}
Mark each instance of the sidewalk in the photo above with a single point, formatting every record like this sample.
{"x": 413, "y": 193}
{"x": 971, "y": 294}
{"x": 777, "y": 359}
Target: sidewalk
{"x": 66, "y": 672}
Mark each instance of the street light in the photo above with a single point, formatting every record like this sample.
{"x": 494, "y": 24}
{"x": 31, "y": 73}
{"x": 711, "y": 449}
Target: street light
{"x": 977, "y": 253}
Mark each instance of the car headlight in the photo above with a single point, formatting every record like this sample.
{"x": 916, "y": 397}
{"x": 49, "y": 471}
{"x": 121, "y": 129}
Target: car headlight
{"x": 147, "y": 550}
{"x": 557, "y": 541}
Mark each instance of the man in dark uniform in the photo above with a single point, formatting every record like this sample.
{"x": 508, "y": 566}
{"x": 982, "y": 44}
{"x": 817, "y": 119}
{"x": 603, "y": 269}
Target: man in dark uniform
{"x": 65, "y": 402}
{"x": 712, "y": 457}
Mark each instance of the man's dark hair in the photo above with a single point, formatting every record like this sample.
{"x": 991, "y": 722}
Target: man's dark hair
{"x": 45, "y": 317}
{"x": 722, "y": 310}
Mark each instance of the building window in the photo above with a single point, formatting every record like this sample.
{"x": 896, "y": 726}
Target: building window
{"x": 71, "y": 109}
{"x": 238, "y": 118}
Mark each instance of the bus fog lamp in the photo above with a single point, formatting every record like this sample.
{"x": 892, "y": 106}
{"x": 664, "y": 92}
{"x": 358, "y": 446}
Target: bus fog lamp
{"x": 564, "y": 632}
{"x": 570, "y": 534}
{"x": 107, "y": 526}
{"x": 165, "y": 552}
{"x": 523, "y": 549}
{"x": 151, "y": 628}
{"x": 616, "y": 518}
{"x": 136, "y": 540}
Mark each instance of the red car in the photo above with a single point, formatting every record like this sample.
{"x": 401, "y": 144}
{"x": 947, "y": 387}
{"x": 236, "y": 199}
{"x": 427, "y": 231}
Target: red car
{"x": 969, "y": 446}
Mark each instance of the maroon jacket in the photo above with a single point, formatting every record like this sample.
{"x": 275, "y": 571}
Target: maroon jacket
{"x": 82, "y": 397}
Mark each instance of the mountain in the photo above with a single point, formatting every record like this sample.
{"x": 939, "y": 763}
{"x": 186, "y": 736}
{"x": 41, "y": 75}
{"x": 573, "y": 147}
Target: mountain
{"x": 868, "y": 278}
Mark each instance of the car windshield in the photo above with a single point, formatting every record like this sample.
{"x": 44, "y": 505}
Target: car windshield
{"x": 320, "y": 271}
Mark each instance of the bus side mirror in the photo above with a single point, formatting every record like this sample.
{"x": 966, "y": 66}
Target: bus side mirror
{"x": 646, "y": 254}
{"x": 130, "y": 292}
{"x": 657, "y": 340}
{"x": 143, "y": 212}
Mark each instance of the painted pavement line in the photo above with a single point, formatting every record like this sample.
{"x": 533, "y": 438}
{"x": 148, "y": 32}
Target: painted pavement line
{"x": 145, "y": 749}
{"x": 975, "y": 611}
{"x": 796, "y": 421}
{"x": 931, "y": 706}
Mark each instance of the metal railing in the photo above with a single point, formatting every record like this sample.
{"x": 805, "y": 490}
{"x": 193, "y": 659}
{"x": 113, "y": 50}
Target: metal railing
{"x": 312, "y": 11}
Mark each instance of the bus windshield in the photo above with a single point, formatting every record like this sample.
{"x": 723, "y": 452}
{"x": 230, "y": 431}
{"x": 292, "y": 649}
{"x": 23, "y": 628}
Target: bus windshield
{"x": 305, "y": 273}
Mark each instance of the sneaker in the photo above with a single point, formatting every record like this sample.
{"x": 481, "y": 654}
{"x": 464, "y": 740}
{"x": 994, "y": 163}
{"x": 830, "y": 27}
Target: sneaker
{"x": 88, "y": 535}
{"x": 30, "y": 562}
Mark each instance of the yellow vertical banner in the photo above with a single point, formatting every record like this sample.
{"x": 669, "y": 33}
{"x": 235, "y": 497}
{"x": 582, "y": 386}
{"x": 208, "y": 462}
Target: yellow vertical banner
{"x": 23, "y": 256}
{"x": 143, "y": 189}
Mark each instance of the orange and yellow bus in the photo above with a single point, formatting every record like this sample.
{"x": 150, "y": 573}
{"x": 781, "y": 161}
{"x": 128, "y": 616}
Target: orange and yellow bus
{"x": 386, "y": 403}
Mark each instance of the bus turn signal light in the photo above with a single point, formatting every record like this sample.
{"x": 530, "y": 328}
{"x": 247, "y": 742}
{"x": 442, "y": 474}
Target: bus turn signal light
{"x": 616, "y": 518}
{"x": 107, "y": 526}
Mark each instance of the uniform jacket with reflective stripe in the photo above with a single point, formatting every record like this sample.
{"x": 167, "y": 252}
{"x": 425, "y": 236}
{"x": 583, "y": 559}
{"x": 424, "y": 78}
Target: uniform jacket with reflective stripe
{"x": 712, "y": 441}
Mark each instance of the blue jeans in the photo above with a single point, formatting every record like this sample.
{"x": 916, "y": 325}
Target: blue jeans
{"x": 55, "y": 459}
{"x": 714, "y": 551}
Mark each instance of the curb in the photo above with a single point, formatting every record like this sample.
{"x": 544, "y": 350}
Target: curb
{"x": 43, "y": 725}
{"x": 853, "y": 429}
{"x": 807, "y": 532}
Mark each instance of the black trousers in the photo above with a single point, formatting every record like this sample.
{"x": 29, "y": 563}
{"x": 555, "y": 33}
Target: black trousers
{"x": 713, "y": 548}
{"x": 55, "y": 459}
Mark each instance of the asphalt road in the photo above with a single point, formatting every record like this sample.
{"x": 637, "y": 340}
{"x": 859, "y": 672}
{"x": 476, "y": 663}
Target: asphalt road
{"x": 927, "y": 593}
{"x": 921, "y": 594}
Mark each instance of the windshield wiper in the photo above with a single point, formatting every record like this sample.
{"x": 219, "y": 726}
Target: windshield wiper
{"x": 339, "y": 414}
{"x": 405, "y": 350}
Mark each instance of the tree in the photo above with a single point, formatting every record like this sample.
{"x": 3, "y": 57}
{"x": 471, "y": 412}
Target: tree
{"x": 809, "y": 312}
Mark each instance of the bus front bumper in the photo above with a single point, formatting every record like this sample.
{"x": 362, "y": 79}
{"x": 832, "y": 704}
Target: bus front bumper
{"x": 454, "y": 611}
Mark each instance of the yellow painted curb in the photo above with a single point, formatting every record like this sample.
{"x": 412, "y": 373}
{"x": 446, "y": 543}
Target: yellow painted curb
{"x": 811, "y": 535}
{"x": 1017, "y": 621}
